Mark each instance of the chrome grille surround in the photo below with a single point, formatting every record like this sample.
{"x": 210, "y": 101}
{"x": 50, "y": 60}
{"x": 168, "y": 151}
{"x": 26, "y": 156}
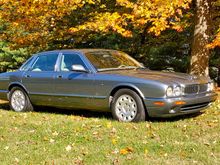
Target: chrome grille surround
{"x": 195, "y": 88}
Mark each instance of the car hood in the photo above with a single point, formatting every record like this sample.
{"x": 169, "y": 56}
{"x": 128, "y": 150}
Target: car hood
{"x": 164, "y": 77}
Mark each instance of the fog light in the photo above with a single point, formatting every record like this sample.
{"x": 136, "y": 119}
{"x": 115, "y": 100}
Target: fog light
{"x": 172, "y": 111}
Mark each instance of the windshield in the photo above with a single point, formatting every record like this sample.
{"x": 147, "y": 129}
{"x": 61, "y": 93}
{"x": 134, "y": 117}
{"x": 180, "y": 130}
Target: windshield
{"x": 110, "y": 60}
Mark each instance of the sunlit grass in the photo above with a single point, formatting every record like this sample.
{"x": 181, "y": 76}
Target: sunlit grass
{"x": 64, "y": 137}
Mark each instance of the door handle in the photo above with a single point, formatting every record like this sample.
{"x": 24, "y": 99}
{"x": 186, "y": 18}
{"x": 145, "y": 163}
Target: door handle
{"x": 59, "y": 76}
{"x": 27, "y": 76}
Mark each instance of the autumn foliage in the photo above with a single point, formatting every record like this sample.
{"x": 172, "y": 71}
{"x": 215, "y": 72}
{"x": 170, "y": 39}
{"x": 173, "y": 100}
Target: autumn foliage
{"x": 39, "y": 22}
{"x": 216, "y": 24}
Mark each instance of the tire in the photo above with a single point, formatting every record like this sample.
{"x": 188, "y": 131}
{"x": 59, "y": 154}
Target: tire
{"x": 127, "y": 106}
{"x": 19, "y": 100}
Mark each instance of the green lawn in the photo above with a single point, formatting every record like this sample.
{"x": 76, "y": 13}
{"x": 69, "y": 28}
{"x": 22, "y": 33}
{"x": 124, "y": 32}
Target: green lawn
{"x": 65, "y": 137}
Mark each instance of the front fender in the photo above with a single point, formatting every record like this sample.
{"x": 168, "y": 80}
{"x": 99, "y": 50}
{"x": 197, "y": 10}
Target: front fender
{"x": 126, "y": 85}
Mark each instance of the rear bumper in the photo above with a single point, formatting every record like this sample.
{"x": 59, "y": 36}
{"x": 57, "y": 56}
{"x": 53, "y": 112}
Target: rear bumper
{"x": 193, "y": 104}
{"x": 3, "y": 95}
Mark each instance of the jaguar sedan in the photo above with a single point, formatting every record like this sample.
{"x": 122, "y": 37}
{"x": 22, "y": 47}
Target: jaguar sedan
{"x": 103, "y": 80}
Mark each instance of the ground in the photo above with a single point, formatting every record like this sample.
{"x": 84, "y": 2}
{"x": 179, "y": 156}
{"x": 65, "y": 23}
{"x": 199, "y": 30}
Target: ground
{"x": 52, "y": 136}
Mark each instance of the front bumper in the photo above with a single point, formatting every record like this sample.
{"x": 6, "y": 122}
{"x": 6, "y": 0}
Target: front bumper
{"x": 193, "y": 104}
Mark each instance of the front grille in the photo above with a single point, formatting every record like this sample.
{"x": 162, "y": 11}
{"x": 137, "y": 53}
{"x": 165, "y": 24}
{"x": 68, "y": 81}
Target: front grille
{"x": 190, "y": 89}
{"x": 196, "y": 88}
{"x": 203, "y": 88}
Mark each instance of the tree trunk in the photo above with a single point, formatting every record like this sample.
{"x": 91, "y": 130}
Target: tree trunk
{"x": 199, "y": 64}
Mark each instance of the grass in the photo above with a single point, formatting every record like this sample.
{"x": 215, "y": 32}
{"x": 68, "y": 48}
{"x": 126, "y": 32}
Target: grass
{"x": 51, "y": 136}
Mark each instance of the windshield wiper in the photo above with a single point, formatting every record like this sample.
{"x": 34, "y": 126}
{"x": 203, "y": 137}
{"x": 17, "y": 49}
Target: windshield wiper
{"x": 127, "y": 67}
{"x": 121, "y": 68}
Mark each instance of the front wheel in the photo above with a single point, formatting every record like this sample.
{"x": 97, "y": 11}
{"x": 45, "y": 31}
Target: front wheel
{"x": 127, "y": 106}
{"x": 19, "y": 100}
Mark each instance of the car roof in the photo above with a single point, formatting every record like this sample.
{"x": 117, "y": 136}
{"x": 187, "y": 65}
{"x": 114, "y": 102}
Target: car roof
{"x": 74, "y": 50}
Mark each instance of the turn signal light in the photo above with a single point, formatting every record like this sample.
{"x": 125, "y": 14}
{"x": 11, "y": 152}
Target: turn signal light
{"x": 180, "y": 102}
{"x": 159, "y": 103}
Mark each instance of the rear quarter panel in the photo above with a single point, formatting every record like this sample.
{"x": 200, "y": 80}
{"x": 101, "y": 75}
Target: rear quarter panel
{"x": 5, "y": 80}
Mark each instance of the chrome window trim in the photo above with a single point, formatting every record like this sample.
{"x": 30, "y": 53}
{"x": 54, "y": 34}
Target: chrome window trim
{"x": 81, "y": 56}
{"x": 31, "y": 60}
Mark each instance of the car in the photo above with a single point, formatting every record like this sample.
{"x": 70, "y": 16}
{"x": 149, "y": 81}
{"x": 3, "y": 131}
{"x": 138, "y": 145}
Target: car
{"x": 104, "y": 80}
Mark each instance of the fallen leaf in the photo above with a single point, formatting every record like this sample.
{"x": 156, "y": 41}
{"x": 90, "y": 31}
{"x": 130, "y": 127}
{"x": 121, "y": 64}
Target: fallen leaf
{"x": 113, "y": 130}
{"x": 116, "y": 151}
{"x": 95, "y": 133}
{"x": 45, "y": 138}
{"x": 2, "y": 138}
{"x": 16, "y": 160}
{"x": 68, "y": 148}
{"x": 146, "y": 151}
{"x": 52, "y": 140}
{"x": 126, "y": 150}
{"x": 148, "y": 125}
{"x": 78, "y": 161}
{"x": 6, "y": 148}
{"x": 55, "y": 133}
{"x": 109, "y": 125}
{"x": 135, "y": 128}
{"x": 123, "y": 152}
{"x": 114, "y": 141}
{"x": 115, "y": 161}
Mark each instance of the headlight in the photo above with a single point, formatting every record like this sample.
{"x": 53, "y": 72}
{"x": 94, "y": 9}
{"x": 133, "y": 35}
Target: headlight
{"x": 169, "y": 91}
{"x": 177, "y": 91}
{"x": 211, "y": 86}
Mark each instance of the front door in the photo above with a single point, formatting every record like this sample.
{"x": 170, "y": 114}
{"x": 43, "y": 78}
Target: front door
{"x": 74, "y": 89}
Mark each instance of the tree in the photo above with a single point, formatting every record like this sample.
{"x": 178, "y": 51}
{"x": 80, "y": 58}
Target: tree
{"x": 11, "y": 59}
{"x": 200, "y": 53}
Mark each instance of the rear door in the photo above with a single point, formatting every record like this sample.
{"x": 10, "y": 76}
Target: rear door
{"x": 39, "y": 79}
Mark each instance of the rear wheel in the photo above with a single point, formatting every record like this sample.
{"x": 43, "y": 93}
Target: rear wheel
{"x": 19, "y": 100}
{"x": 127, "y": 106}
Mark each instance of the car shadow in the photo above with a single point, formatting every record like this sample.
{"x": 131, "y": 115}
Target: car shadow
{"x": 175, "y": 118}
{"x": 4, "y": 105}
{"x": 93, "y": 114}
{"x": 75, "y": 112}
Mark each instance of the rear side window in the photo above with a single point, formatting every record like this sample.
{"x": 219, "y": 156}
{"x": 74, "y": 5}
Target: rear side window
{"x": 45, "y": 63}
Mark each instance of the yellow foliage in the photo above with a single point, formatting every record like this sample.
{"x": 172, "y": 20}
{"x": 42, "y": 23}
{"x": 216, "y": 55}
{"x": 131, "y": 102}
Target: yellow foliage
{"x": 39, "y": 21}
{"x": 215, "y": 42}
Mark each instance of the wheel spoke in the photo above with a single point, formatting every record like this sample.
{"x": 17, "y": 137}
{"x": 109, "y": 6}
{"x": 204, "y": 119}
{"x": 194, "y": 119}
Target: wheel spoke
{"x": 126, "y": 108}
{"x": 18, "y": 100}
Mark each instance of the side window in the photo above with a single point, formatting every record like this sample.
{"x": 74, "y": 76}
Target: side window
{"x": 26, "y": 65}
{"x": 45, "y": 63}
{"x": 70, "y": 59}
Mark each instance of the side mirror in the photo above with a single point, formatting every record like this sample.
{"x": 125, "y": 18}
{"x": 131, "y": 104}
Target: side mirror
{"x": 142, "y": 64}
{"x": 79, "y": 68}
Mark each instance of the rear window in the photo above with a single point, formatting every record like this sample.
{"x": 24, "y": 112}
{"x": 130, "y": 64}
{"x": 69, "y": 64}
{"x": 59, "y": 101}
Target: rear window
{"x": 45, "y": 63}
